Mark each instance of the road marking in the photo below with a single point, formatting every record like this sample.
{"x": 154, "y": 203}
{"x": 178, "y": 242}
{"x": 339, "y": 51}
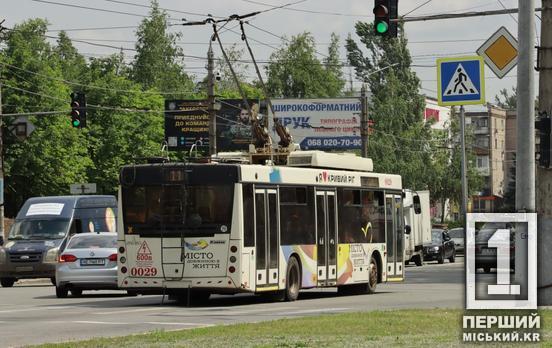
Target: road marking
{"x": 100, "y": 322}
{"x": 306, "y": 311}
{"x": 225, "y": 313}
{"x": 181, "y": 324}
{"x": 129, "y": 311}
{"x": 37, "y": 309}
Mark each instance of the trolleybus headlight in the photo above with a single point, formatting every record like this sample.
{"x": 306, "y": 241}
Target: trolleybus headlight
{"x": 231, "y": 269}
{"x": 232, "y": 259}
{"x": 123, "y": 269}
{"x": 233, "y": 249}
{"x": 122, "y": 259}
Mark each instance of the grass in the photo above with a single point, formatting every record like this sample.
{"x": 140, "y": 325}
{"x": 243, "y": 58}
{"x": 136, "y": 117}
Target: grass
{"x": 402, "y": 328}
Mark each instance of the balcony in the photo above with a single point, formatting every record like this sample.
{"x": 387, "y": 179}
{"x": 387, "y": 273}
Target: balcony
{"x": 485, "y": 171}
{"x": 481, "y": 130}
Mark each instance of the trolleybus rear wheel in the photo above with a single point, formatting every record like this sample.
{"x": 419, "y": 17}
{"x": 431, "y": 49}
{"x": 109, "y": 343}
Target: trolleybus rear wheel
{"x": 293, "y": 279}
{"x": 372, "y": 276}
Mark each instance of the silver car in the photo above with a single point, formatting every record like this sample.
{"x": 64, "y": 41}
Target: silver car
{"x": 88, "y": 263}
{"x": 457, "y": 235}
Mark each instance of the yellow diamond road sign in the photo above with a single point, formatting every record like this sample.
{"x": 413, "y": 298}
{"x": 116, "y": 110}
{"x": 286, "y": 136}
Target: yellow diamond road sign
{"x": 500, "y": 52}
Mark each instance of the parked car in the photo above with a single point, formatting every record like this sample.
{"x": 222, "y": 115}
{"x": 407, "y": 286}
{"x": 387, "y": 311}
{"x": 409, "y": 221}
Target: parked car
{"x": 457, "y": 235}
{"x": 485, "y": 257}
{"x": 440, "y": 248}
{"x": 88, "y": 263}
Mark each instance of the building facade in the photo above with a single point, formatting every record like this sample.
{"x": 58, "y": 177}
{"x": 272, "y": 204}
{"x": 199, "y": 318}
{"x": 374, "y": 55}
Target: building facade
{"x": 489, "y": 145}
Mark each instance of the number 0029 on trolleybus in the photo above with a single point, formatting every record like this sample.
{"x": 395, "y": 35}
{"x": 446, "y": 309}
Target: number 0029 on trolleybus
{"x": 322, "y": 220}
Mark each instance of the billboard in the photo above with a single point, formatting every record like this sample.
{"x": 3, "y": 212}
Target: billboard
{"x": 233, "y": 124}
{"x": 186, "y": 123}
{"x": 322, "y": 124}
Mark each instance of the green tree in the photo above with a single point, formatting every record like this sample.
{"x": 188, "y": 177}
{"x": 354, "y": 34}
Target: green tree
{"x": 506, "y": 100}
{"x": 54, "y": 155}
{"x": 295, "y": 72}
{"x": 71, "y": 62}
{"x": 159, "y": 62}
{"x": 447, "y": 163}
{"x": 119, "y": 137}
{"x": 402, "y": 141}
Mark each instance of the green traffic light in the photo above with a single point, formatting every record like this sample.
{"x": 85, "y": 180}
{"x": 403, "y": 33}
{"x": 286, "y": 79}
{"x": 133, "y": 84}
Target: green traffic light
{"x": 382, "y": 27}
{"x": 76, "y": 123}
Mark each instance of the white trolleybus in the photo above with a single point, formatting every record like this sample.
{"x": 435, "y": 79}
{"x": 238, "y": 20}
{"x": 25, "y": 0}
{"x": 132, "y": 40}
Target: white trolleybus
{"x": 322, "y": 220}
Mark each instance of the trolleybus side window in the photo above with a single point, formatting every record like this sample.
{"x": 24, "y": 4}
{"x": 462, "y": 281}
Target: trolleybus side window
{"x": 248, "y": 222}
{"x": 361, "y": 216}
{"x": 297, "y": 215}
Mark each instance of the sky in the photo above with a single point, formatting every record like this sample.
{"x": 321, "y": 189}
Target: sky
{"x": 428, "y": 40}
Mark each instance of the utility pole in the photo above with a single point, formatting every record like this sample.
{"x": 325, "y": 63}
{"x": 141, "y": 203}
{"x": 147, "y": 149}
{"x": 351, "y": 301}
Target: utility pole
{"x": 463, "y": 171}
{"x": 364, "y": 121}
{"x": 211, "y": 102}
{"x": 525, "y": 150}
{"x": 1, "y": 164}
{"x": 544, "y": 175}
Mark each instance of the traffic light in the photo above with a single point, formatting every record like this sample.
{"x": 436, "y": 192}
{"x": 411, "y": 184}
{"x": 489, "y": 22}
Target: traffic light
{"x": 78, "y": 110}
{"x": 384, "y": 12}
{"x": 544, "y": 126}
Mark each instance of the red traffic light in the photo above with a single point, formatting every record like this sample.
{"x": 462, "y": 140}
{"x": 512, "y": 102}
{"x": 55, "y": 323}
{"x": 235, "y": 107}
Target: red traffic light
{"x": 381, "y": 11}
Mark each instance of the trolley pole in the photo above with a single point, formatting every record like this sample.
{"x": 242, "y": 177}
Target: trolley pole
{"x": 364, "y": 121}
{"x": 211, "y": 102}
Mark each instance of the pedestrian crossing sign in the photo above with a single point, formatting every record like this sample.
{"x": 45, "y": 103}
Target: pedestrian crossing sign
{"x": 460, "y": 81}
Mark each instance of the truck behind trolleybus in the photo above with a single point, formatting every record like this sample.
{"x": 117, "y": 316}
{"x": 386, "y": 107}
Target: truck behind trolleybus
{"x": 322, "y": 220}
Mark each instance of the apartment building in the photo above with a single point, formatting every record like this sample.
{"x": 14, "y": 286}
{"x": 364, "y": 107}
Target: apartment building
{"x": 489, "y": 128}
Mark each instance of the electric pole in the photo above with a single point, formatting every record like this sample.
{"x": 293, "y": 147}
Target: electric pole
{"x": 525, "y": 151}
{"x": 463, "y": 168}
{"x": 364, "y": 121}
{"x": 1, "y": 164}
{"x": 544, "y": 175}
{"x": 211, "y": 102}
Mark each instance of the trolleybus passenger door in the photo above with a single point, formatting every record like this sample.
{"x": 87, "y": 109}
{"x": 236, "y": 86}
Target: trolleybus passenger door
{"x": 172, "y": 241}
{"x": 326, "y": 238}
{"x": 266, "y": 236}
{"x": 395, "y": 236}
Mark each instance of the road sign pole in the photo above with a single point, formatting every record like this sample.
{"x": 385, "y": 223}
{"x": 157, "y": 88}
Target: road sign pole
{"x": 464, "y": 165}
{"x": 525, "y": 151}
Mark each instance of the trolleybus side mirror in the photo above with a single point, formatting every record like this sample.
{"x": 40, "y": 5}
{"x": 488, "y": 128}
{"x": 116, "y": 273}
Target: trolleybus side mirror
{"x": 407, "y": 229}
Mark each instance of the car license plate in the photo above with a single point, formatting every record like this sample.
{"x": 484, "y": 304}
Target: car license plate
{"x": 486, "y": 251}
{"x": 92, "y": 262}
{"x": 24, "y": 269}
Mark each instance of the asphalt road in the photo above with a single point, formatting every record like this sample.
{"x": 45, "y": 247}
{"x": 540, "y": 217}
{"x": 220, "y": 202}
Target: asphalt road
{"x": 30, "y": 313}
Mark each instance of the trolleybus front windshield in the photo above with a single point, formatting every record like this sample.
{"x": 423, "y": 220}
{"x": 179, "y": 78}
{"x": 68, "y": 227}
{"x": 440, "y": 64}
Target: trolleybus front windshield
{"x": 177, "y": 209}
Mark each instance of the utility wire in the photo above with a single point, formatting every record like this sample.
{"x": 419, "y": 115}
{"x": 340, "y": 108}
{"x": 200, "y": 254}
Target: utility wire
{"x": 310, "y": 11}
{"x": 88, "y": 85}
{"x": 416, "y": 8}
{"x": 88, "y": 106}
{"x": 98, "y": 28}
{"x": 161, "y": 8}
{"x": 94, "y": 9}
